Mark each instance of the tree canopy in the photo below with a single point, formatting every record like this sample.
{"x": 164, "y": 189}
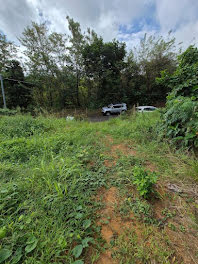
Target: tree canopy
{"x": 80, "y": 69}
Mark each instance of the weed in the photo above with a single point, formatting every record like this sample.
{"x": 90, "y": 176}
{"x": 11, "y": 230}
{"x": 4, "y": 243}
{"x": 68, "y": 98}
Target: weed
{"x": 148, "y": 249}
{"x": 172, "y": 227}
{"x": 182, "y": 228}
{"x": 141, "y": 208}
{"x": 144, "y": 181}
{"x": 168, "y": 214}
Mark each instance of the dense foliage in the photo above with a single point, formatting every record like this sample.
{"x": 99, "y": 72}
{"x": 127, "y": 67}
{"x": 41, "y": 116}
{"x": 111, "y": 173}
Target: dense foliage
{"x": 80, "y": 69}
{"x": 180, "y": 121}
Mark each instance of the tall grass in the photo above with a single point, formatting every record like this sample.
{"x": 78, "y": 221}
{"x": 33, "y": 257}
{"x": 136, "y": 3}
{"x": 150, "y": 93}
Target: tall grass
{"x": 46, "y": 190}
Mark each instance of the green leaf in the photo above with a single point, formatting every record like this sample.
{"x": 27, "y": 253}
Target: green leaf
{"x": 78, "y": 262}
{"x": 78, "y": 215}
{"x": 86, "y": 241}
{"x": 31, "y": 239}
{"x": 77, "y": 251}
{"x": 18, "y": 255}
{"x": 31, "y": 247}
{"x": 3, "y": 232}
{"x": 4, "y": 254}
{"x": 86, "y": 223}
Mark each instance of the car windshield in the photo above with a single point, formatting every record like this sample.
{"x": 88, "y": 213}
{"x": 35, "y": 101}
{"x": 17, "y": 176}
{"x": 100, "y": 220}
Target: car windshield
{"x": 149, "y": 109}
{"x": 117, "y": 106}
{"x": 146, "y": 108}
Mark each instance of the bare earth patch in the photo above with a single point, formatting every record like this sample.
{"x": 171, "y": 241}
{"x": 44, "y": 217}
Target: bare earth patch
{"x": 178, "y": 226}
{"x": 107, "y": 218}
{"x": 112, "y": 225}
{"x": 115, "y": 149}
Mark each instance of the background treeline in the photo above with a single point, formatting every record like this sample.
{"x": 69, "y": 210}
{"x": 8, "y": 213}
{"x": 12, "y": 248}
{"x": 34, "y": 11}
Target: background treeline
{"x": 81, "y": 70}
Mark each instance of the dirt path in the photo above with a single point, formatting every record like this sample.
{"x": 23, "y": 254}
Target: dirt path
{"x": 112, "y": 225}
{"x": 110, "y": 221}
{"x": 178, "y": 226}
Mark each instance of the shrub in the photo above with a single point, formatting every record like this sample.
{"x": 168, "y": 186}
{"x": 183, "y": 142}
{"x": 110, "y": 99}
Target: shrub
{"x": 180, "y": 120}
{"x": 6, "y": 111}
{"x": 144, "y": 181}
{"x": 22, "y": 126}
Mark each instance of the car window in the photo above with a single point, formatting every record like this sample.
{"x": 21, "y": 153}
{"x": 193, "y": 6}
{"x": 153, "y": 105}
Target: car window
{"x": 149, "y": 109}
{"x": 117, "y": 106}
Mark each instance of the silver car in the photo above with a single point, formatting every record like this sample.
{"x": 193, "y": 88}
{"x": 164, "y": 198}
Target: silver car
{"x": 114, "y": 109}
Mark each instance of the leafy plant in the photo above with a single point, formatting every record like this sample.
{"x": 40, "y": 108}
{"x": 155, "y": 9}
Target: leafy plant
{"x": 31, "y": 244}
{"x": 180, "y": 119}
{"x": 141, "y": 208}
{"x": 144, "y": 181}
{"x": 4, "y": 254}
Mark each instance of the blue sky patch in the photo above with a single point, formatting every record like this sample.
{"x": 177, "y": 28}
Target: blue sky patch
{"x": 146, "y": 21}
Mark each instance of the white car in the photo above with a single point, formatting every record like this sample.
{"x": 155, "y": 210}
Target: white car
{"x": 146, "y": 108}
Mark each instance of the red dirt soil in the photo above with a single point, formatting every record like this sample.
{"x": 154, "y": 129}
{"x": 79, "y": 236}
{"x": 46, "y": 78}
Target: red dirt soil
{"x": 112, "y": 225}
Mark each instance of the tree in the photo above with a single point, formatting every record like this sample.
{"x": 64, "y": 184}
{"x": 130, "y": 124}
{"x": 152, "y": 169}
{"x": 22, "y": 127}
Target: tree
{"x": 103, "y": 64}
{"x": 180, "y": 120}
{"x": 46, "y": 56}
{"x": 18, "y": 93}
{"x": 77, "y": 42}
{"x": 154, "y": 55}
{"x": 7, "y": 51}
{"x": 133, "y": 81}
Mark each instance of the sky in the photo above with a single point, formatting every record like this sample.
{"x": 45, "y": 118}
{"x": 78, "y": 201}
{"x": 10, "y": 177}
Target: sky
{"x": 125, "y": 20}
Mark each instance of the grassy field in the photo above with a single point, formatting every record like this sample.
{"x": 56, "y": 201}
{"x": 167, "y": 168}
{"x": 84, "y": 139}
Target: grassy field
{"x": 75, "y": 192}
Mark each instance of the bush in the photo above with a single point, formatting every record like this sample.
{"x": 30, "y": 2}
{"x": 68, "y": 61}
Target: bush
{"x": 6, "y": 111}
{"x": 22, "y": 126}
{"x": 144, "y": 181}
{"x": 180, "y": 121}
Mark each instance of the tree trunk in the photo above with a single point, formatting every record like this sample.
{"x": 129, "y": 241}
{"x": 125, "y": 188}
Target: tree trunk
{"x": 77, "y": 87}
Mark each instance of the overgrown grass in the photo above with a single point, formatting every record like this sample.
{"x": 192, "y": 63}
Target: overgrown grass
{"x": 141, "y": 132}
{"x": 50, "y": 171}
{"x": 46, "y": 189}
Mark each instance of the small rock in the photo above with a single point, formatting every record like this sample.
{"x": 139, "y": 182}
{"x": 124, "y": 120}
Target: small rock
{"x": 174, "y": 188}
{"x": 70, "y": 118}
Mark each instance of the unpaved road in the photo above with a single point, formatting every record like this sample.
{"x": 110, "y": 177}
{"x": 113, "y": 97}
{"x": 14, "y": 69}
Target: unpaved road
{"x": 101, "y": 118}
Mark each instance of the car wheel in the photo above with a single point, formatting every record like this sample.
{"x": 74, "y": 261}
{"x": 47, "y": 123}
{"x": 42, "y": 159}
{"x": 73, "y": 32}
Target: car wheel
{"x": 108, "y": 113}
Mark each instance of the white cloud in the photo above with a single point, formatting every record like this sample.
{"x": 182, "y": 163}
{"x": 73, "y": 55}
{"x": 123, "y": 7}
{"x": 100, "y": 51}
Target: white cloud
{"x": 172, "y": 14}
{"x": 188, "y": 34}
{"x": 104, "y": 16}
{"x": 14, "y": 16}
